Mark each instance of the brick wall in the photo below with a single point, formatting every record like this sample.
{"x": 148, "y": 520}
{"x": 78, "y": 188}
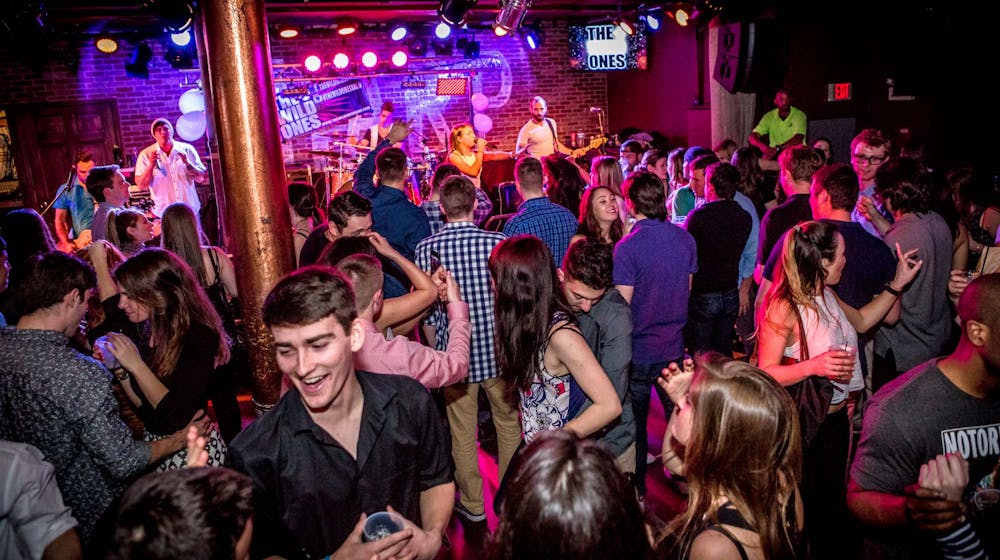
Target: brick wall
{"x": 509, "y": 74}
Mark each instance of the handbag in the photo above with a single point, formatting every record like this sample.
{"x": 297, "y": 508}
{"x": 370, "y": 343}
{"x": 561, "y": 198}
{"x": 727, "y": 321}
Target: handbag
{"x": 229, "y": 309}
{"x": 812, "y": 395}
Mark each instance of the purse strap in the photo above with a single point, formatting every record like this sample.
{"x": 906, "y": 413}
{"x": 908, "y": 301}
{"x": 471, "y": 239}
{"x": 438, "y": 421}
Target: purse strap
{"x": 803, "y": 344}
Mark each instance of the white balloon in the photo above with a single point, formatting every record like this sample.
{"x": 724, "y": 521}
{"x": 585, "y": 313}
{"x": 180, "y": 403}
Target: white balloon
{"x": 191, "y": 100}
{"x": 480, "y": 102}
{"x": 191, "y": 126}
{"x": 482, "y": 123}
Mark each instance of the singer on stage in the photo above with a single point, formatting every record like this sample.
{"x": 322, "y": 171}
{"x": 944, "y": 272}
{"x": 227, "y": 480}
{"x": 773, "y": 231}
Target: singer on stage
{"x": 539, "y": 136}
{"x": 169, "y": 169}
{"x": 469, "y": 162}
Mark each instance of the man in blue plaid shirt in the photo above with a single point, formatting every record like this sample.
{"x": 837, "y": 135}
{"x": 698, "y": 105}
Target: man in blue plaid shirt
{"x": 463, "y": 249}
{"x": 537, "y": 216}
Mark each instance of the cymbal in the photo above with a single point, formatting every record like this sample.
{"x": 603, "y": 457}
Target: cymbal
{"x": 354, "y": 146}
{"x": 324, "y": 152}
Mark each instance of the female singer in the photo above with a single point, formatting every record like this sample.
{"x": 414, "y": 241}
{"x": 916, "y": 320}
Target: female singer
{"x": 462, "y": 156}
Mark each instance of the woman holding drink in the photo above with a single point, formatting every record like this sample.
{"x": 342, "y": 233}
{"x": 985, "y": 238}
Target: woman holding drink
{"x": 800, "y": 309}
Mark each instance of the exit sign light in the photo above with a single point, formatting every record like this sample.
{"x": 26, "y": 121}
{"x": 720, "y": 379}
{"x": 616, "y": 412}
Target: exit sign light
{"x": 838, "y": 92}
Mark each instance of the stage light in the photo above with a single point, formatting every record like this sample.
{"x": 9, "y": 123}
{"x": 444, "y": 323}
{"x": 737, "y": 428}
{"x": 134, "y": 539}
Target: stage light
{"x": 312, "y": 63}
{"x": 341, "y": 61}
{"x": 106, "y": 44}
{"x": 417, "y": 46}
{"x": 625, "y": 25}
{"x": 288, "y": 32}
{"x": 681, "y": 15}
{"x": 511, "y": 14}
{"x": 533, "y": 37}
{"x": 138, "y": 63}
{"x": 454, "y": 12}
{"x": 652, "y": 21}
{"x": 499, "y": 31}
{"x": 369, "y": 59}
{"x": 399, "y": 59}
{"x": 399, "y": 32}
{"x": 181, "y": 39}
{"x": 442, "y": 31}
{"x": 177, "y": 15}
{"x": 347, "y": 27}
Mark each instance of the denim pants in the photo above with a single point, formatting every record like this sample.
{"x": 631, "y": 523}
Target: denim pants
{"x": 641, "y": 377}
{"x": 711, "y": 320}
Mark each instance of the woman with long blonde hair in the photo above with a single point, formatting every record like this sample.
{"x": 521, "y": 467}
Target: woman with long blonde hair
{"x": 468, "y": 152}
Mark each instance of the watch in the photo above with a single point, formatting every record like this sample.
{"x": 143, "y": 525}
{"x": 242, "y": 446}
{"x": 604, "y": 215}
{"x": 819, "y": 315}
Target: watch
{"x": 888, "y": 288}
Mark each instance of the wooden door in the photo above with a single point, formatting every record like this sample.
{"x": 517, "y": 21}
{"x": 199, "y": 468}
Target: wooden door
{"x": 46, "y": 137}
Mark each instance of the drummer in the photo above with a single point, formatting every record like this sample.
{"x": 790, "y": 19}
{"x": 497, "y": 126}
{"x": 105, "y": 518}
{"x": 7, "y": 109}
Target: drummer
{"x": 378, "y": 132}
{"x": 462, "y": 156}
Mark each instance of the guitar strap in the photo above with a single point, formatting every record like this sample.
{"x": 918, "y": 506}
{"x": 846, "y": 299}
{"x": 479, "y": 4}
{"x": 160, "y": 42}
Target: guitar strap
{"x": 555, "y": 143}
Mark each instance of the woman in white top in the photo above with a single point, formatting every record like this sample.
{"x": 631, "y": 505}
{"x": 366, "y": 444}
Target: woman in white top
{"x": 812, "y": 259}
{"x": 467, "y": 160}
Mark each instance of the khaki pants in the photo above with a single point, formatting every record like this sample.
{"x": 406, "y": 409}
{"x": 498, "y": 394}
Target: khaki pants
{"x": 462, "y": 400}
{"x": 626, "y": 461}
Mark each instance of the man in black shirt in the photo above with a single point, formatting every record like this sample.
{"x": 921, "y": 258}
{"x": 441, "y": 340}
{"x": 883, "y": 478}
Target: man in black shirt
{"x": 720, "y": 229}
{"x": 341, "y": 444}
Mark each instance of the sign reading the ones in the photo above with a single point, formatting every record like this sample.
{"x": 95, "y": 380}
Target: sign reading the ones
{"x": 606, "y": 47}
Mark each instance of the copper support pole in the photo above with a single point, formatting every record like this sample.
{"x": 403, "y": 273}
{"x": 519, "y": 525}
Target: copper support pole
{"x": 237, "y": 65}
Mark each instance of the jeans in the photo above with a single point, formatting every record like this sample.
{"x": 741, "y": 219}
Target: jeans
{"x": 710, "y": 321}
{"x": 641, "y": 376}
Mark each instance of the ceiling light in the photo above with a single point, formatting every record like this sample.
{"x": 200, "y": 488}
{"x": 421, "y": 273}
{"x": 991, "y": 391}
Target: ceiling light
{"x": 625, "y": 25}
{"x": 106, "y": 44}
{"x": 288, "y": 32}
{"x": 454, "y": 12}
{"x": 533, "y": 37}
{"x": 511, "y": 14}
{"x": 341, "y": 61}
{"x": 312, "y": 63}
{"x": 177, "y": 15}
{"x": 442, "y": 31}
{"x": 399, "y": 32}
{"x": 181, "y": 39}
{"x": 399, "y": 58}
{"x": 369, "y": 59}
{"x": 347, "y": 27}
{"x": 499, "y": 31}
{"x": 652, "y": 21}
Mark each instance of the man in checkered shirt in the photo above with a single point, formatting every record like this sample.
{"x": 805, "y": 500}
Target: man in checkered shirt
{"x": 538, "y": 216}
{"x": 463, "y": 249}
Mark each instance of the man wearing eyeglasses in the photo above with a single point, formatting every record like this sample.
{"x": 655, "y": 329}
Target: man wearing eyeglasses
{"x": 869, "y": 150}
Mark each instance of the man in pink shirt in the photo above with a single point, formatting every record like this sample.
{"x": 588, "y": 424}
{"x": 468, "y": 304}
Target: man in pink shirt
{"x": 401, "y": 356}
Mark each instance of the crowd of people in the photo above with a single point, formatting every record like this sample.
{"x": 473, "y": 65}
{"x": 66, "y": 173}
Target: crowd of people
{"x": 825, "y": 343}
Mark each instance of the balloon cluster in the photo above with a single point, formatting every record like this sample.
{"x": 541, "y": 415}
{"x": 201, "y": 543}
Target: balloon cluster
{"x": 481, "y": 121}
{"x": 191, "y": 124}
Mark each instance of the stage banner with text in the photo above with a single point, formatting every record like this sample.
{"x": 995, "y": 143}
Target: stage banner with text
{"x": 303, "y": 109}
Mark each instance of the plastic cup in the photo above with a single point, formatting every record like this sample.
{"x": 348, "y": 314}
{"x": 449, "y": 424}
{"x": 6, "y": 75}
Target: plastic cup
{"x": 382, "y": 524}
{"x": 107, "y": 358}
{"x": 845, "y": 348}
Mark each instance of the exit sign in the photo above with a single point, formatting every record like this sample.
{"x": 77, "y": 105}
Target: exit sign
{"x": 838, "y": 92}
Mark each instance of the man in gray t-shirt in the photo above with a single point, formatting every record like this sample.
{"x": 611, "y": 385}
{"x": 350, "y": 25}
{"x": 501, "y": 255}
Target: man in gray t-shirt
{"x": 924, "y": 325}
{"x": 951, "y": 405}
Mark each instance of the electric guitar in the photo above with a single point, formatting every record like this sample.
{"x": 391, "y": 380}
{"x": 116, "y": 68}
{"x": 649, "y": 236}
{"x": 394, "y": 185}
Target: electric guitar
{"x": 594, "y": 144}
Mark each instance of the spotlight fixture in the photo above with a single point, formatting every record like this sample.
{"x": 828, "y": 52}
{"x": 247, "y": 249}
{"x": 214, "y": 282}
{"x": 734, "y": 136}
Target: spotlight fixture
{"x": 369, "y": 59}
{"x": 651, "y": 21}
{"x": 625, "y": 25}
{"x": 288, "y": 32}
{"x": 312, "y": 64}
{"x": 532, "y": 36}
{"x": 181, "y": 39}
{"x": 138, "y": 63}
{"x": 454, "y": 12}
{"x": 177, "y": 15}
{"x": 179, "y": 57}
{"x": 681, "y": 14}
{"x": 443, "y": 47}
{"x": 511, "y": 15}
{"x": 341, "y": 61}
{"x": 499, "y": 31}
{"x": 399, "y": 59}
{"x": 417, "y": 46}
{"x": 106, "y": 44}
{"x": 399, "y": 32}
{"x": 442, "y": 31}
{"x": 347, "y": 27}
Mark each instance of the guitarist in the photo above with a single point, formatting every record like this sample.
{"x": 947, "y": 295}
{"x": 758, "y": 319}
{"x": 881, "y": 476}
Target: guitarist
{"x": 539, "y": 137}
{"x": 75, "y": 206}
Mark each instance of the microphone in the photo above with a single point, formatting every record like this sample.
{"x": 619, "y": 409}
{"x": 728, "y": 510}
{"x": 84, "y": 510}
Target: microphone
{"x": 596, "y": 109}
{"x": 489, "y": 145}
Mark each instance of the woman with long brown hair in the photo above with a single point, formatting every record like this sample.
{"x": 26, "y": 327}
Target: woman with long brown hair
{"x": 599, "y": 216}
{"x": 743, "y": 461}
{"x": 129, "y": 230}
{"x": 167, "y": 376}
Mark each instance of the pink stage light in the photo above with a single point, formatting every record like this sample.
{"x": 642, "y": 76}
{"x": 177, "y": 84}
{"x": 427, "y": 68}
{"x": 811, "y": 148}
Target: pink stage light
{"x": 313, "y": 63}
{"x": 341, "y": 60}
{"x": 399, "y": 58}
{"x": 369, "y": 59}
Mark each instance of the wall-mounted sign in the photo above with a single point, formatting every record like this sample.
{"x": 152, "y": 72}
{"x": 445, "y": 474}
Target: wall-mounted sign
{"x": 606, "y": 47}
{"x": 838, "y": 92}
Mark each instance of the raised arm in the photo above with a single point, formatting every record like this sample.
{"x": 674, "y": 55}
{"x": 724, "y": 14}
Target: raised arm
{"x": 874, "y": 311}
{"x": 410, "y": 306}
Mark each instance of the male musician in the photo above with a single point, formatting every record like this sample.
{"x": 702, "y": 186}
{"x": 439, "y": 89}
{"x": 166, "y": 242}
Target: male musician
{"x": 169, "y": 169}
{"x": 379, "y": 132}
{"x": 74, "y": 206}
{"x": 539, "y": 137}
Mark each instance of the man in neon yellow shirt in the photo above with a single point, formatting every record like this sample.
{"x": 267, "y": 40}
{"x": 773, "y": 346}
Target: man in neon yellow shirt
{"x": 783, "y": 127}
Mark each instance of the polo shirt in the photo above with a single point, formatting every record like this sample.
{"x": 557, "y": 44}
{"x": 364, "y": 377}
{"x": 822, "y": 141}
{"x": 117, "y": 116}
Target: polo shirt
{"x": 656, "y": 258}
{"x": 778, "y": 130}
{"x": 309, "y": 492}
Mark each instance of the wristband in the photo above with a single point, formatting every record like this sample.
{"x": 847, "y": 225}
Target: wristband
{"x": 888, "y": 288}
